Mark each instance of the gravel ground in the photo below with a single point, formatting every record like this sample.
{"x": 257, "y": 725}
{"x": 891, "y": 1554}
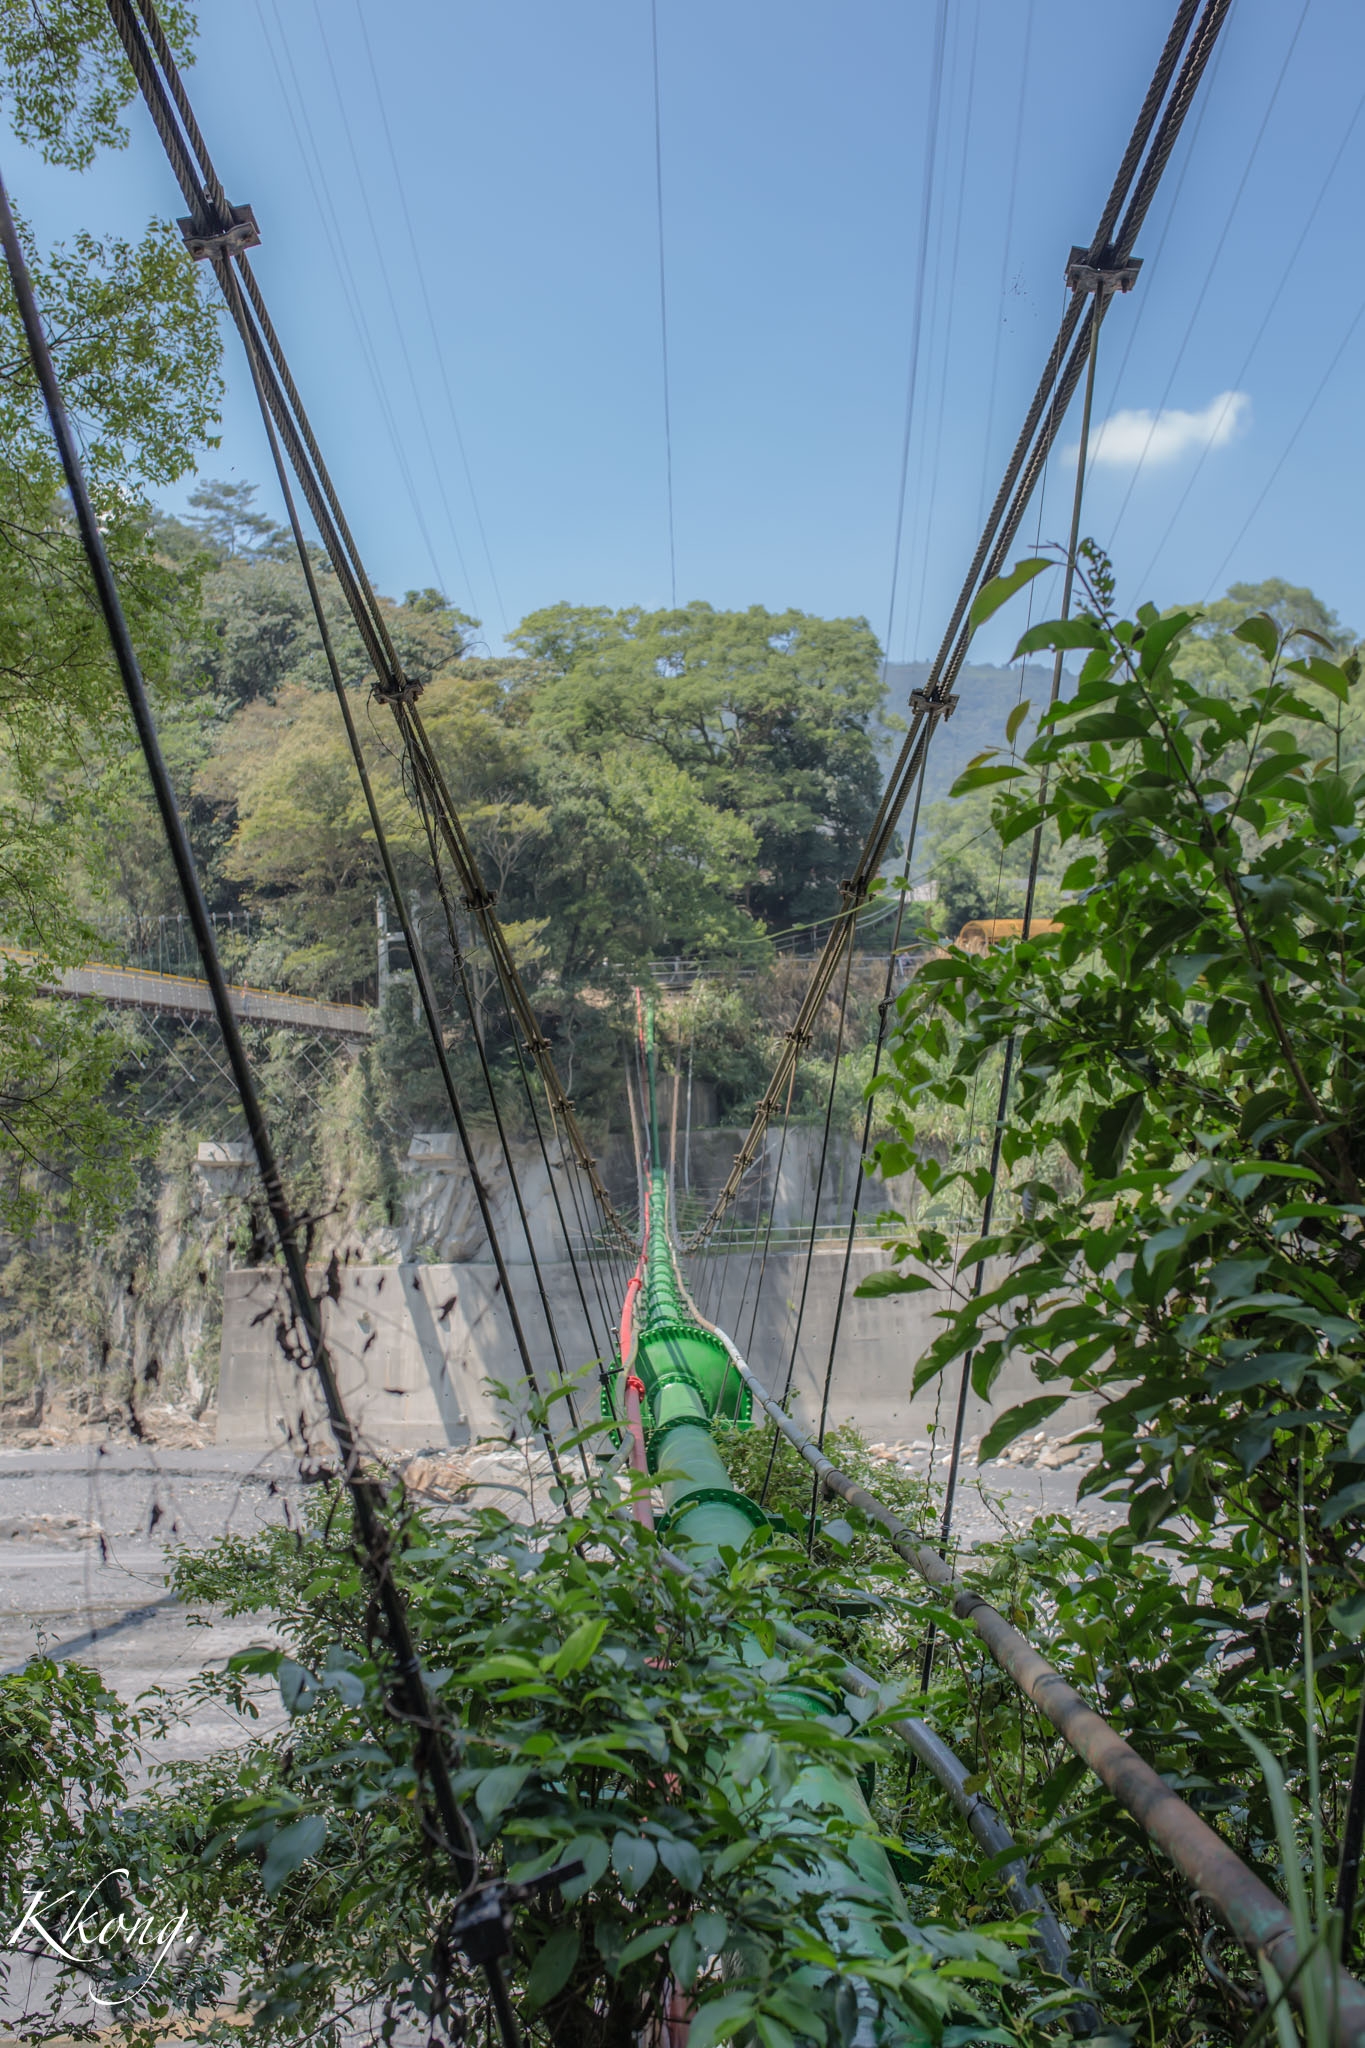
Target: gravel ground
{"x": 87, "y": 1536}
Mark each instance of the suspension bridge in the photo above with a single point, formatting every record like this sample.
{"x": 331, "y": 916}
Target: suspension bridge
{"x": 672, "y": 1381}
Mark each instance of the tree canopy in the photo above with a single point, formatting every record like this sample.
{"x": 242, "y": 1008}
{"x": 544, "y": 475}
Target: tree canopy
{"x": 772, "y": 715}
{"x": 136, "y": 347}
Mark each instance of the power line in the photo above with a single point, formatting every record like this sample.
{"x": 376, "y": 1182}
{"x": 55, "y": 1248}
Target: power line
{"x": 931, "y": 492}
{"x": 917, "y": 304}
{"x": 1259, "y": 335}
{"x": 439, "y": 352}
{"x": 663, "y": 300}
{"x": 1211, "y": 266}
{"x": 1021, "y": 102}
{"x": 398, "y": 325}
{"x": 1268, "y": 486}
{"x": 311, "y": 158}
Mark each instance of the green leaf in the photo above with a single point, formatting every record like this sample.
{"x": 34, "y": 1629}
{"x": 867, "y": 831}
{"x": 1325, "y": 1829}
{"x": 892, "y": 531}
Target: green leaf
{"x": 684, "y": 1957}
{"x": 644, "y": 1944}
{"x": 891, "y": 1282}
{"x": 502, "y": 1666}
{"x": 1328, "y": 675}
{"x": 749, "y": 1755}
{"x": 772, "y": 2033}
{"x": 1015, "y": 1421}
{"x": 291, "y": 1846}
{"x": 1260, "y": 632}
{"x": 298, "y": 1687}
{"x": 592, "y": 1852}
{"x": 683, "y": 1860}
{"x": 498, "y": 1788}
{"x": 982, "y": 778}
{"x": 1016, "y": 719}
{"x": 580, "y": 1647}
{"x": 711, "y": 1930}
{"x": 1001, "y": 589}
{"x": 1348, "y": 1616}
{"x": 1344, "y": 1503}
{"x": 1107, "y": 726}
{"x": 634, "y": 1858}
{"x": 1158, "y": 636}
{"x": 552, "y": 1968}
{"x": 1188, "y": 968}
{"x": 1112, "y": 1133}
{"x": 1330, "y": 803}
{"x": 720, "y": 2018}
{"x": 1077, "y": 632}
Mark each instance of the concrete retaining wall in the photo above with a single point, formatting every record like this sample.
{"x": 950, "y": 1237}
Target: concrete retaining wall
{"x": 417, "y": 1346}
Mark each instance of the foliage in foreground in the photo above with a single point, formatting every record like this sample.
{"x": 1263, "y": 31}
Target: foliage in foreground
{"x": 1189, "y": 1048}
{"x": 595, "y": 1706}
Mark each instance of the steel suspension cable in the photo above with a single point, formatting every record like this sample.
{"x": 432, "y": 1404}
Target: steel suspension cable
{"x": 815, "y": 1205}
{"x": 222, "y": 234}
{"x": 1208, "y": 267}
{"x": 514, "y": 1177}
{"x": 411, "y": 1702}
{"x": 421, "y": 973}
{"x": 1159, "y": 122}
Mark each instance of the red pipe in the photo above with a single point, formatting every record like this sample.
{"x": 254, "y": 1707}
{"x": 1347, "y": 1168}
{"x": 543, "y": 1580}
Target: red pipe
{"x": 640, "y": 1507}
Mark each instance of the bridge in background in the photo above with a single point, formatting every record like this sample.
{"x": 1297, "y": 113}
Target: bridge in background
{"x": 181, "y": 995}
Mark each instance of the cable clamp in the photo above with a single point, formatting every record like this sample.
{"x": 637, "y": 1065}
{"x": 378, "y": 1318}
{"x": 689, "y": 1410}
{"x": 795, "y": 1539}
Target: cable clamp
{"x": 482, "y": 1925}
{"x": 403, "y": 691}
{"x": 923, "y": 704}
{"x": 1087, "y": 273}
{"x": 240, "y": 233}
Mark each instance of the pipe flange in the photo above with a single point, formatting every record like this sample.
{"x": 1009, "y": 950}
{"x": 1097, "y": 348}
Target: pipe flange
{"x": 663, "y": 1429}
{"x": 719, "y": 1496}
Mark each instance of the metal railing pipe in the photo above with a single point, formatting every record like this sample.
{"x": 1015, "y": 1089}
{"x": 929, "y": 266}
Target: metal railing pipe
{"x": 1248, "y": 1908}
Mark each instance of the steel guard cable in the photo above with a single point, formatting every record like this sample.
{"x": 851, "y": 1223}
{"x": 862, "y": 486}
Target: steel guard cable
{"x": 883, "y": 1016}
{"x": 1247, "y": 1906}
{"x": 411, "y": 1703}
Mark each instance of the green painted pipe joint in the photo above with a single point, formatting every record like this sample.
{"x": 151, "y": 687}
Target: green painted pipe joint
{"x": 727, "y": 1497}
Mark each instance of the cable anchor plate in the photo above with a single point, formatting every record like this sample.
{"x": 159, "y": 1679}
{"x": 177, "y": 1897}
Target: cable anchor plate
{"x": 921, "y": 701}
{"x": 241, "y": 232}
{"x": 1087, "y": 273}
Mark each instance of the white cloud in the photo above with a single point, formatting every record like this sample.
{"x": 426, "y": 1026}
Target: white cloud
{"x": 1135, "y": 436}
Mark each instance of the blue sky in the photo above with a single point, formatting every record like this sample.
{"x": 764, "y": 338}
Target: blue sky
{"x": 521, "y": 138}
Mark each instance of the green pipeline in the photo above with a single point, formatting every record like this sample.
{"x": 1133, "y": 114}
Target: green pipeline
{"x": 689, "y": 1379}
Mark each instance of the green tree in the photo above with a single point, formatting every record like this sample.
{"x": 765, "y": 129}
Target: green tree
{"x": 228, "y": 523}
{"x": 136, "y": 348}
{"x": 1216, "y": 658}
{"x": 772, "y": 714}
